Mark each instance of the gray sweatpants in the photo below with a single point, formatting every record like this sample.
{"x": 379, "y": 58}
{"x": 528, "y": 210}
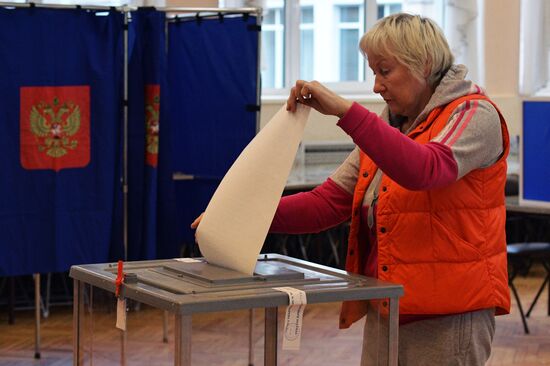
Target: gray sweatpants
{"x": 453, "y": 340}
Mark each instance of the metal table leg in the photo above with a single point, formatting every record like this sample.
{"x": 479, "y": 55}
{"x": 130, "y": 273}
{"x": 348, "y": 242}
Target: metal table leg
{"x": 78, "y": 314}
{"x": 304, "y": 244}
{"x": 547, "y": 266}
{"x": 393, "y": 334}
{"x": 37, "y": 315}
{"x": 11, "y": 301}
{"x": 334, "y": 248}
{"x": 48, "y": 294}
{"x": 270, "y": 343}
{"x": 91, "y": 324}
{"x": 251, "y": 337}
{"x": 182, "y": 342}
{"x": 123, "y": 336}
{"x": 165, "y": 326}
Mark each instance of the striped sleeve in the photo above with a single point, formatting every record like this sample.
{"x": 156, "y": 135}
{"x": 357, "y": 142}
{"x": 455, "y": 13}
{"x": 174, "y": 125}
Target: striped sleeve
{"x": 346, "y": 174}
{"x": 412, "y": 165}
{"x": 474, "y": 136}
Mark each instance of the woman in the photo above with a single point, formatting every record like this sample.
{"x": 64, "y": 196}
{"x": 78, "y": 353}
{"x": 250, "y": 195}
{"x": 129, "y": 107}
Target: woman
{"x": 425, "y": 192}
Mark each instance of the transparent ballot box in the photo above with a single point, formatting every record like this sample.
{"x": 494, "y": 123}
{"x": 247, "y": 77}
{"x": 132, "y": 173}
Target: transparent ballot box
{"x": 163, "y": 297}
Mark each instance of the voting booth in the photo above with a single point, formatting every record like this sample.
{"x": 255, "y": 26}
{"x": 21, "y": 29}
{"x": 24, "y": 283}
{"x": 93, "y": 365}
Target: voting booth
{"x": 187, "y": 286}
{"x": 89, "y": 130}
{"x": 94, "y": 132}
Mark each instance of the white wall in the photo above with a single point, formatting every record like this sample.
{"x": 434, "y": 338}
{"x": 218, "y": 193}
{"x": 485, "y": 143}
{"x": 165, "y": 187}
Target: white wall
{"x": 502, "y": 19}
{"x": 501, "y": 45}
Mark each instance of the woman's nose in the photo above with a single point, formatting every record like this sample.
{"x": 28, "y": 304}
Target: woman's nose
{"x": 378, "y": 86}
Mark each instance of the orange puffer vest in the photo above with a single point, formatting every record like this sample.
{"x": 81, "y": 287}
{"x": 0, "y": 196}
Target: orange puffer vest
{"x": 446, "y": 246}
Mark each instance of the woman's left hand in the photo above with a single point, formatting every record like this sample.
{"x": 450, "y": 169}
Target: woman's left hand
{"x": 317, "y": 96}
{"x": 197, "y": 221}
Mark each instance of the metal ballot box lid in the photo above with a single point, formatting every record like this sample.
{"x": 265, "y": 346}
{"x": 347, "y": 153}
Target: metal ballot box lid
{"x": 188, "y": 286}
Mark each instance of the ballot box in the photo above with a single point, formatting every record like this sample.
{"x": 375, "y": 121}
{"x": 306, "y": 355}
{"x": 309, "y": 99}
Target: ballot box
{"x": 186, "y": 286}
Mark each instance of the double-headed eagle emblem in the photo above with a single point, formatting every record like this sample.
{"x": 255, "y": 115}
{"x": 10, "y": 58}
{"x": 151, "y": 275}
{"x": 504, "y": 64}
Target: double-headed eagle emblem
{"x": 54, "y": 125}
{"x": 152, "y": 125}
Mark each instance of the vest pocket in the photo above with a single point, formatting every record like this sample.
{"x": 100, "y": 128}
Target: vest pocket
{"x": 450, "y": 246}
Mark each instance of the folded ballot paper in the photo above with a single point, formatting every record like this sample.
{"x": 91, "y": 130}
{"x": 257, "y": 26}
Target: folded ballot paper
{"x": 237, "y": 219}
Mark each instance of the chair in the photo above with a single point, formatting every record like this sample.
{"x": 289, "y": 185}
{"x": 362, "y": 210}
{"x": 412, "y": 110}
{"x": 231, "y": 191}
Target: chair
{"x": 520, "y": 258}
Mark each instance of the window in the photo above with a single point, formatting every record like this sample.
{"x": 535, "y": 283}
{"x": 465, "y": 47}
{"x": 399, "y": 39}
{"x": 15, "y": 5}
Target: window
{"x": 318, "y": 40}
{"x": 386, "y": 9}
{"x": 350, "y": 28}
{"x": 273, "y": 45}
{"x": 534, "y": 49}
{"x": 306, "y": 43}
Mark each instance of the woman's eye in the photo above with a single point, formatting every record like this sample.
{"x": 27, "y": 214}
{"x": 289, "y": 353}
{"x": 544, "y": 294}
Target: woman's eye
{"x": 384, "y": 71}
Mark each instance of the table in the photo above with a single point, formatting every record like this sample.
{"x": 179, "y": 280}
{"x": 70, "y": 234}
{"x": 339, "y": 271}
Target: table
{"x": 197, "y": 287}
{"x": 531, "y": 244}
{"x": 513, "y": 206}
{"x": 304, "y": 177}
{"x": 526, "y": 222}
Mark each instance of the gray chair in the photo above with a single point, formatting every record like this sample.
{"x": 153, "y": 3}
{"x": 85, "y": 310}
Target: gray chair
{"x": 521, "y": 256}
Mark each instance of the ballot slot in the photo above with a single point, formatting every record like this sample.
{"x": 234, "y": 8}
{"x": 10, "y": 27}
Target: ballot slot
{"x": 205, "y": 272}
{"x": 173, "y": 284}
{"x": 276, "y": 272}
{"x": 216, "y": 275}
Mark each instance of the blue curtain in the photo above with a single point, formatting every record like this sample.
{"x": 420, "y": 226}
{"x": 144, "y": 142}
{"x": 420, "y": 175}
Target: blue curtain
{"x": 60, "y": 109}
{"x": 152, "y": 224}
{"x": 147, "y": 71}
{"x": 212, "y": 65}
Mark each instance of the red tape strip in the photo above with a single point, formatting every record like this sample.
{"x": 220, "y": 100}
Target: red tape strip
{"x": 119, "y": 278}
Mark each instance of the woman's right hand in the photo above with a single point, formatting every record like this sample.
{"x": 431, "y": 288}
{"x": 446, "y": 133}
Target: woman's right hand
{"x": 317, "y": 96}
{"x": 197, "y": 221}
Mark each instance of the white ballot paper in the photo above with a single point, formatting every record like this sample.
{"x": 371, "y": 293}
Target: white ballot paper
{"x": 237, "y": 219}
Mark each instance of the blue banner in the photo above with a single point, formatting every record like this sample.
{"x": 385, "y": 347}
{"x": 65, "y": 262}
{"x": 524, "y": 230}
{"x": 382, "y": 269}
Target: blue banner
{"x": 61, "y": 112}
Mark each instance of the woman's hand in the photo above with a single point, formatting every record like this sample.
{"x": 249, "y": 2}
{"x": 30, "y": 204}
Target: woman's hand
{"x": 197, "y": 221}
{"x": 317, "y": 96}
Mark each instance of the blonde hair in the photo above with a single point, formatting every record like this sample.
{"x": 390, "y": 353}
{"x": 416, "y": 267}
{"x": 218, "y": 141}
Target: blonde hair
{"x": 414, "y": 41}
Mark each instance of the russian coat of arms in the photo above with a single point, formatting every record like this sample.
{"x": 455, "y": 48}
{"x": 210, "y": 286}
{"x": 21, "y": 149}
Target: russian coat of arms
{"x": 152, "y": 111}
{"x": 54, "y": 124}
{"x": 55, "y": 127}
